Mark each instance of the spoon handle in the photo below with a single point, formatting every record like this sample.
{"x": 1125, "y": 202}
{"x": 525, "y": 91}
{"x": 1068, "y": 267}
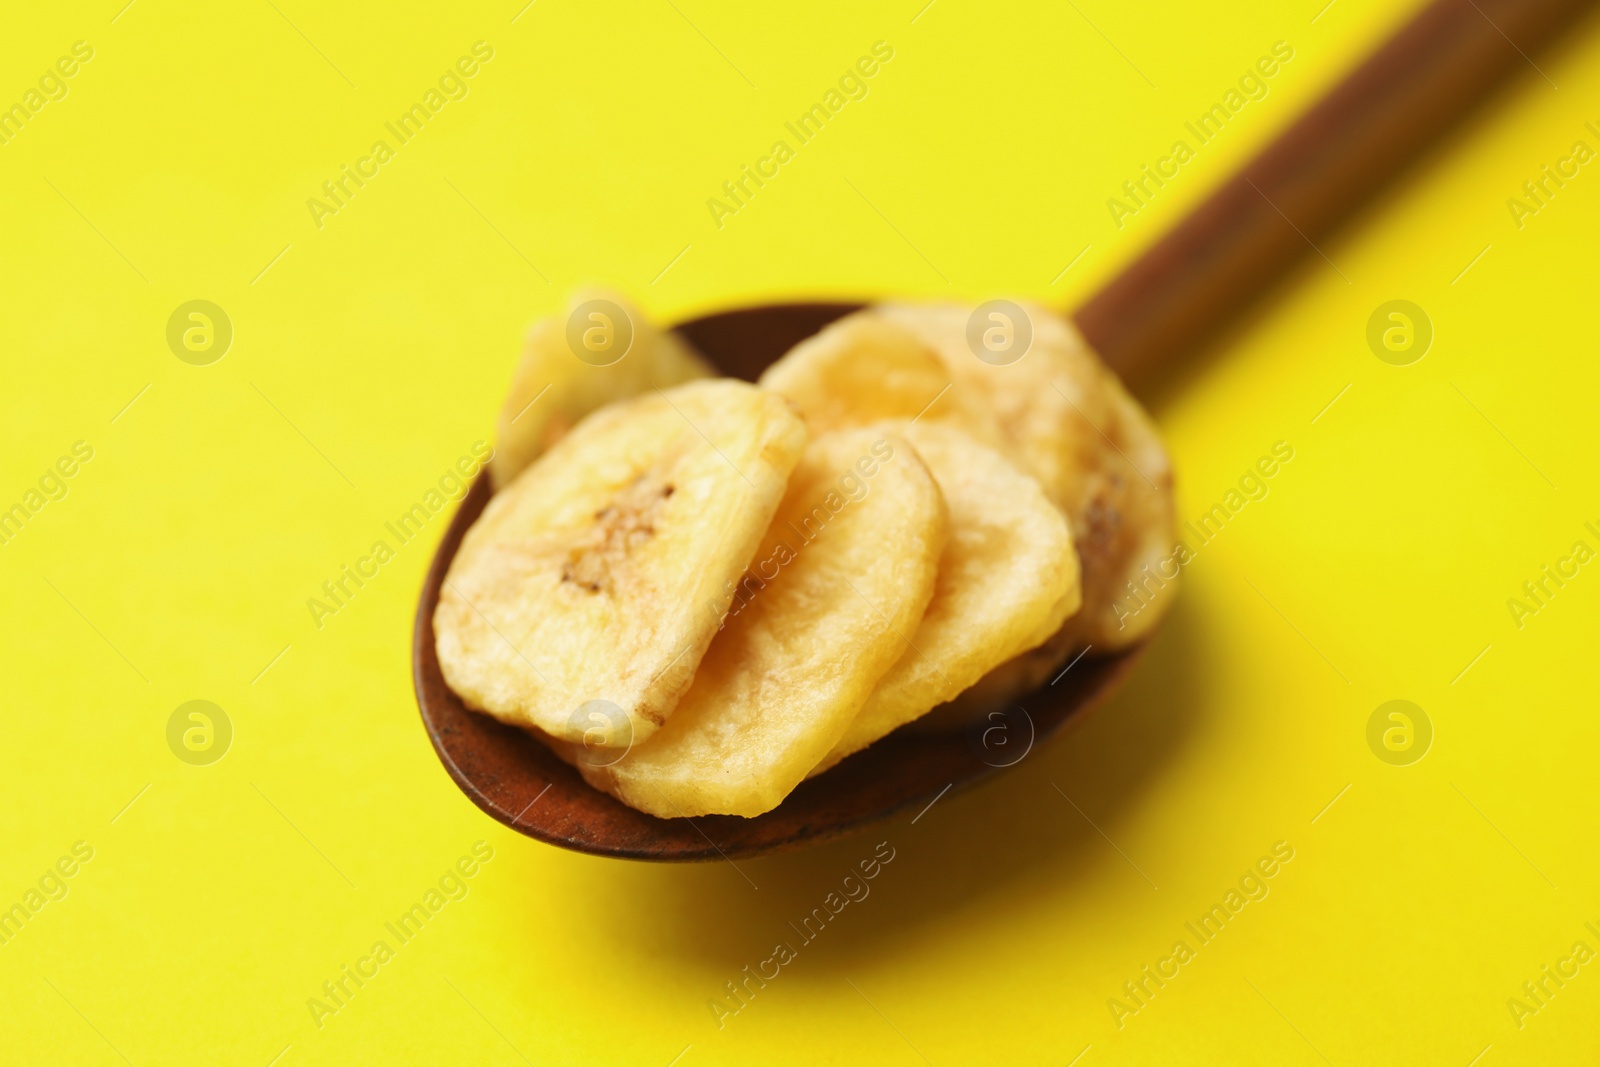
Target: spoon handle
{"x": 1274, "y": 211}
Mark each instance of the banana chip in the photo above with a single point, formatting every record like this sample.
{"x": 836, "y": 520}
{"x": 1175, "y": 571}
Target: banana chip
{"x": 865, "y": 368}
{"x": 1129, "y": 527}
{"x": 601, "y": 350}
{"x": 1008, "y": 578}
{"x": 1067, "y": 420}
{"x": 844, "y": 573}
{"x": 592, "y": 584}
{"x": 1047, "y": 402}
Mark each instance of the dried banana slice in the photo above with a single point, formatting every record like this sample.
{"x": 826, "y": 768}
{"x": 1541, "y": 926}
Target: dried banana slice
{"x": 1008, "y": 578}
{"x": 1067, "y": 420}
{"x": 597, "y": 578}
{"x": 864, "y": 368}
{"x": 601, "y": 350}
{"x": 844, "y": 573}
{"x": 1047, "y": 402}
{"x": 1129, "y": 528}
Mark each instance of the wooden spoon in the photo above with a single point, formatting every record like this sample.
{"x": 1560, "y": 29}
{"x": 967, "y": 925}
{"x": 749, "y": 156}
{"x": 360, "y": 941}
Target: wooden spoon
{"x": 1197, "y": 278}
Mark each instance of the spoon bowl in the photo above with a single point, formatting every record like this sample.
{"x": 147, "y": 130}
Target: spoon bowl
{"x": 520, "y": 782}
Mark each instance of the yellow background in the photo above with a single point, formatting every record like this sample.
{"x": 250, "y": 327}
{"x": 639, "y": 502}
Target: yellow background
{"x": 373, "y": 352}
